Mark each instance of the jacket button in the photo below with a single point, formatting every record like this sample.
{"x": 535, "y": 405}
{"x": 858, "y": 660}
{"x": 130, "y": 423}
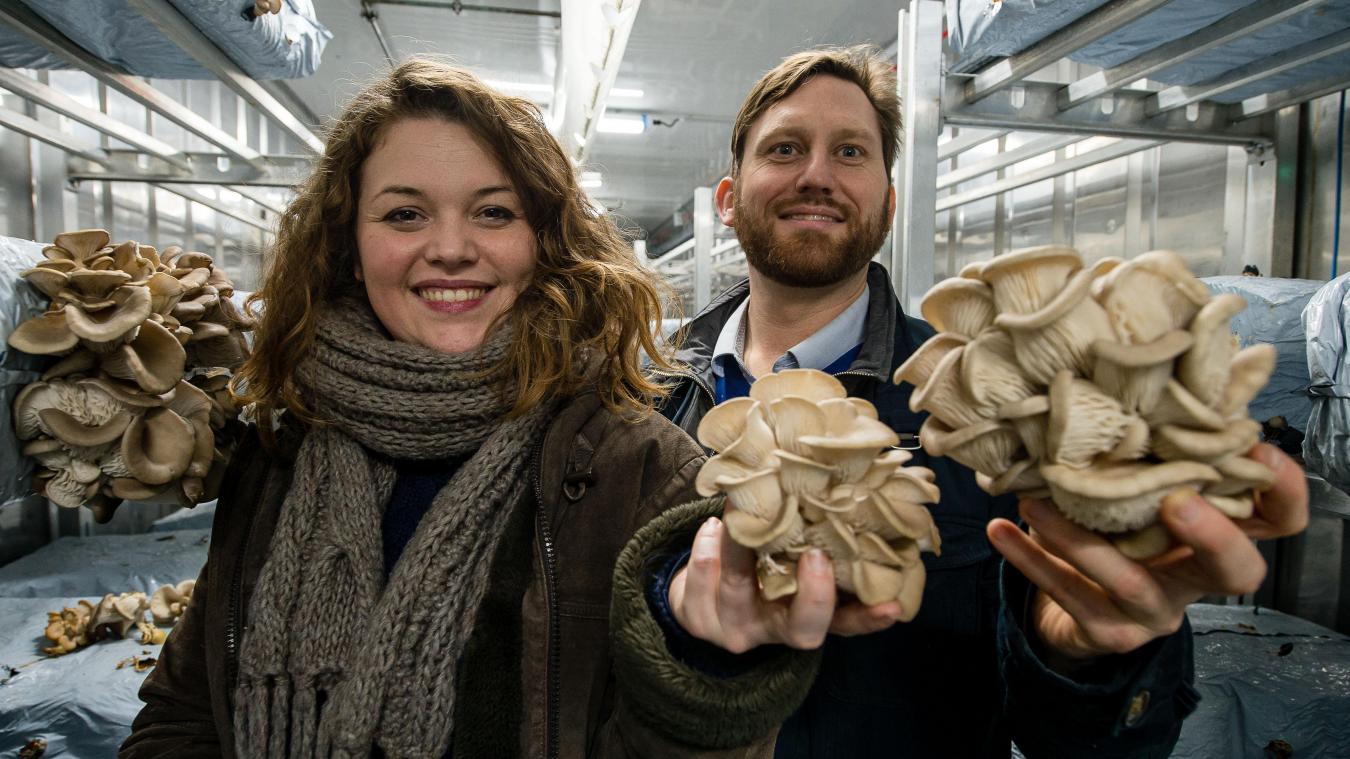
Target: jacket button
{"x": 1138, "y": 705}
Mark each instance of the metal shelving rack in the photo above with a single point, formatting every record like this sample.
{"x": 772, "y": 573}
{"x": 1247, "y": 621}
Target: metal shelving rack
{"x": 1000, "y": 98}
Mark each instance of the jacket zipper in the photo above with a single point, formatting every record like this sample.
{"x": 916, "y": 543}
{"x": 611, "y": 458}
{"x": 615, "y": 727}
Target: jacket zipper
{"x": 551, "y": 602}
{"x": 236, "y": 603}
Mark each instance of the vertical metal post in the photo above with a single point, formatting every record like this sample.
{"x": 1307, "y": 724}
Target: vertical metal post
{"x": 1234, "y": 209}
{"x": 1134, "y": 205}
{"x": 919, "y": 66}
{"x": 49, "y": 173}
{"x": 703, "y": 245}
{"x": 1001, "y": 203}
{"x": 1061, "y": 224}
{"x": 1285, "y": 220}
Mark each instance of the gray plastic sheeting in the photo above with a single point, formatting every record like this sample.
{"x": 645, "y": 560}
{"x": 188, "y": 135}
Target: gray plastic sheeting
{"x": 288, "y": 45}
{"x": 102, "y": 564}
{"x": 1274, "y": 306}
{"x": 1326, "y": 446}
{"x": 983, "y": 29}
{"x": 81, "y": 703}
{"x": 19, "y": 302}
{"x": 1265, "y": 676}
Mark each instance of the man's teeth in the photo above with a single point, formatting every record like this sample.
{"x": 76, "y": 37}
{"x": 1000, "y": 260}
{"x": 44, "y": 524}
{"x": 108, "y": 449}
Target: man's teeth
{"x": 451, "y": 296}
{"x": 810, "y": 217}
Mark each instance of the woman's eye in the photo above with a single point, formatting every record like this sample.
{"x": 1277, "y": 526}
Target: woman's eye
{"x": 497, "y": 213}
{"x": 402, "y": 216}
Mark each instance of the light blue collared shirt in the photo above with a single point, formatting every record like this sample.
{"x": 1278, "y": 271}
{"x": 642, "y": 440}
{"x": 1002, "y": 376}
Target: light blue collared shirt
{"x": 815, "y": 352}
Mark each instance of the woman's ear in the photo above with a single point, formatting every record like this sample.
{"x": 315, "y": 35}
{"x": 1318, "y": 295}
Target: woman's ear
{"x": 359, "y": 276}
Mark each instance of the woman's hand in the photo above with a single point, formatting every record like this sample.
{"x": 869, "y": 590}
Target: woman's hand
{"x": 1092, "y": 600}
{"x": 716, "y": 597}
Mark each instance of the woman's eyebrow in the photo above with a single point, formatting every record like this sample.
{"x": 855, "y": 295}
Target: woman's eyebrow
{"x": 400, "y": 190}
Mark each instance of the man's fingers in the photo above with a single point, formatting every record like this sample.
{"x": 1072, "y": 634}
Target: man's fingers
{"x": 1129, "y": 584}
{"x": 1283, "y": 509}
{"x": 1226, "y": 556}
{"x": 812, "y": 609}
{"x": 738, "y": 606}
{"x": 857, "y": 619}
{"x": 1055, "y": 577}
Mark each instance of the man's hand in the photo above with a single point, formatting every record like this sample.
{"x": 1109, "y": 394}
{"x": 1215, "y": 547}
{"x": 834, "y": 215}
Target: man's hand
{"x": 716, "y": 597}
{"x": 1092, "y": 600}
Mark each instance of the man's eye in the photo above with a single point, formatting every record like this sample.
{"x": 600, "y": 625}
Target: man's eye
{"x": 783, "y": 149}
{"x": 851, "y": 151}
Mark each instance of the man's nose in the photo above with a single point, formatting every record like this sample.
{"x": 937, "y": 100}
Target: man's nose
{"x": 817, "y": 174}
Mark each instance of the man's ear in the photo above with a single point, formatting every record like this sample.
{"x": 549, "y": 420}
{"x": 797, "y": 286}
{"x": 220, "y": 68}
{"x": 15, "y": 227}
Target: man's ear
{"x": 890, "y": 201}
{"x": 724, "y": 197}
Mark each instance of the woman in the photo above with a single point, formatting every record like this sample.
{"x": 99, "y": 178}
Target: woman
{"x": 418, "y": 562}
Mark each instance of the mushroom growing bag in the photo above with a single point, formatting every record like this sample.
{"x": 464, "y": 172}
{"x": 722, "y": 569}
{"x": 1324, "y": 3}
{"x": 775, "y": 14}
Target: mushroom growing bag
{"x": 1103, "y": 388}
{"x": 803, "y": 466}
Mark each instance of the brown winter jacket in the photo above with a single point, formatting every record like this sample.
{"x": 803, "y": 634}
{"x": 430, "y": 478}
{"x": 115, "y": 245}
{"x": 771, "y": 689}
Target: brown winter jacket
{"x": 597, "y": 479}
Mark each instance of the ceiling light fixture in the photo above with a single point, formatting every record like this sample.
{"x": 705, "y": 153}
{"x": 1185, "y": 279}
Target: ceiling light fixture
{"x": 616, "y": 124}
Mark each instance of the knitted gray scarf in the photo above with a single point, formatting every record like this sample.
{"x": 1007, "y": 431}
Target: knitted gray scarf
{"x": 334, "y": 661}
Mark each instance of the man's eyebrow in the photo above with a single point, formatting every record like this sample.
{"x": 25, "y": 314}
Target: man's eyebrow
{"x": 796, "y": 132}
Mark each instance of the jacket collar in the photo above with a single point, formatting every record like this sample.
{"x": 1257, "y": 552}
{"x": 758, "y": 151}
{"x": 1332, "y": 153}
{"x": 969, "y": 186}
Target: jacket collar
{"x": 885, "y": 328}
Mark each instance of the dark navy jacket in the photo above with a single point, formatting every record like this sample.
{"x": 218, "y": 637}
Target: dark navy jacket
{"x": 961, "y": 679}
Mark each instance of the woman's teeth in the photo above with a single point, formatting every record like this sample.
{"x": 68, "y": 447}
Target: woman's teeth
{"x": 451, "y": 296}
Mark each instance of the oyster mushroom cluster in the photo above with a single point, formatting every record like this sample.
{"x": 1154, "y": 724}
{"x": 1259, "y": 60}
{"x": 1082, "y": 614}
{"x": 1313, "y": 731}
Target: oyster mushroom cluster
{"x": 262, "y": 7}
{"x": 136, "y": 403}
{"x": 803, "y": 466}
{"x": 1103, "y": 387}
{"x": 114, "y": 616}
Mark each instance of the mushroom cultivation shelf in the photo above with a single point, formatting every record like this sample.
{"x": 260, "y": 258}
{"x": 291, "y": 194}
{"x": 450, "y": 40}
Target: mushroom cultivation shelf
{"x": 136, "y": 405}
{"x": 1104, "y": 387}
{"x": 803, "y": 466}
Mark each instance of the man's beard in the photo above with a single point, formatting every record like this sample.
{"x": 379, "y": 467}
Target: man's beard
{"x": 807, "y": 257}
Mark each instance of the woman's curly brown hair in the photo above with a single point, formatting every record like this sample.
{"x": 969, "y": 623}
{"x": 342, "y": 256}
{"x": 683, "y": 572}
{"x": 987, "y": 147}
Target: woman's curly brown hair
{"x": 587, "y": 316}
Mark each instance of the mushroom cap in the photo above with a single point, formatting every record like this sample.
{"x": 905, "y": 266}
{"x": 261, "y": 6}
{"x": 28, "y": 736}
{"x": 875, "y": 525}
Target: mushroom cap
{"x": 959, "y": 305}
{"x": 989, "y": 446}
{"x": 111, "y": 325}
{"x": 794, "y": 417}
{"x": 1062, "y": 301}
{"x": 1140, "y": 355}
{"x": 1150, "y": 295}
{"x": 1233, "y": 506}
{"x": 1137, "y": 375}
{"x": 1177, "y": 405}
{"x": 28, "y": 405}
{"x": 776, "y": 585}
{"x": 129, "y": 395}
{"x": 47, "y": 280}
{"x": 1021, "y": 477}
{"x": 1120, "y": 497}
{"x": 757, "y": 493}
{"x": 811, "y": 384}
{"x": 1083, "y": 422}
{"x": 853, "y": 451}
{"x": 802, "y": 476}
{"x": 716, "y": 468}
{"x": 753, "y": 532}
{"x": 70, "y": 430}
{"x": 755, "y": 445}
{"x": 724, "y": 423}
{"x": 157, "y": 446}
{"x": 154, "y": 360}
{"x": 882, "y": 467}
{"x": 1173, "y": 443}
{"x": 44, "y": 335}
{"x": 945, "y": 396}
{"x": 1023, "y": 281}
{"x": 1204, "y": 368}
{"x": 990, "y": 372}
{"x": 93, "y": 283}
{"x": 79, "y": 245}
{"x": 81, "y": 361}
{"x": 1060, "y": 343}
{"x": 165, "y": 292}
{"x": 919, "y": 367}
{"x": 1241, "y": 475}
{"x": 1249, "y": 371}
{"x": 1144, "y": 543}
{"x": 1134, "y": 443}
{"x": 910, "y": 485}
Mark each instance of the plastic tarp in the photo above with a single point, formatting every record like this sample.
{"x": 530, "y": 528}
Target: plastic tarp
{"x": 984, "y": 29}
{"x": 19, "y": 302}
{"x": 1274, "y": 306}
{"x": 198, "y": 517}
{"x": 1264, "y": 676}
{"x": 288, "y": 45}
{"x": 1326, "y": 447}
{"x": 81, "y": 703}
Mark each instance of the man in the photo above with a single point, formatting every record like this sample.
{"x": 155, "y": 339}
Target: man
{"x": 1068, "y": 648}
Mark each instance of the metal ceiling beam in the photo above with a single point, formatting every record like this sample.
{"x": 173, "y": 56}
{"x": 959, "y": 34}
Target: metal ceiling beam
{"x": 21, "y": 19}
{"x": 55, "y": 100}
{"x": 1313, "y": 50}
{"x": 459, "y": 7}
{"x": 252, "y": 194}
{"x": 1274, "y": 101}
{"x": 30, "y": 127}
{"x": 124, "y": 166}
{"x": 191, "y": 41}
{"x": 1007, "y": 158}
{"x": 215, "y": 205}
{"x": 1034, "y": 106}
{"x": 966, "y": 141}
{"x": 1079, "y": 34}
{"x": 1090, "y": 158}
{"x": 1241, "y": 23}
